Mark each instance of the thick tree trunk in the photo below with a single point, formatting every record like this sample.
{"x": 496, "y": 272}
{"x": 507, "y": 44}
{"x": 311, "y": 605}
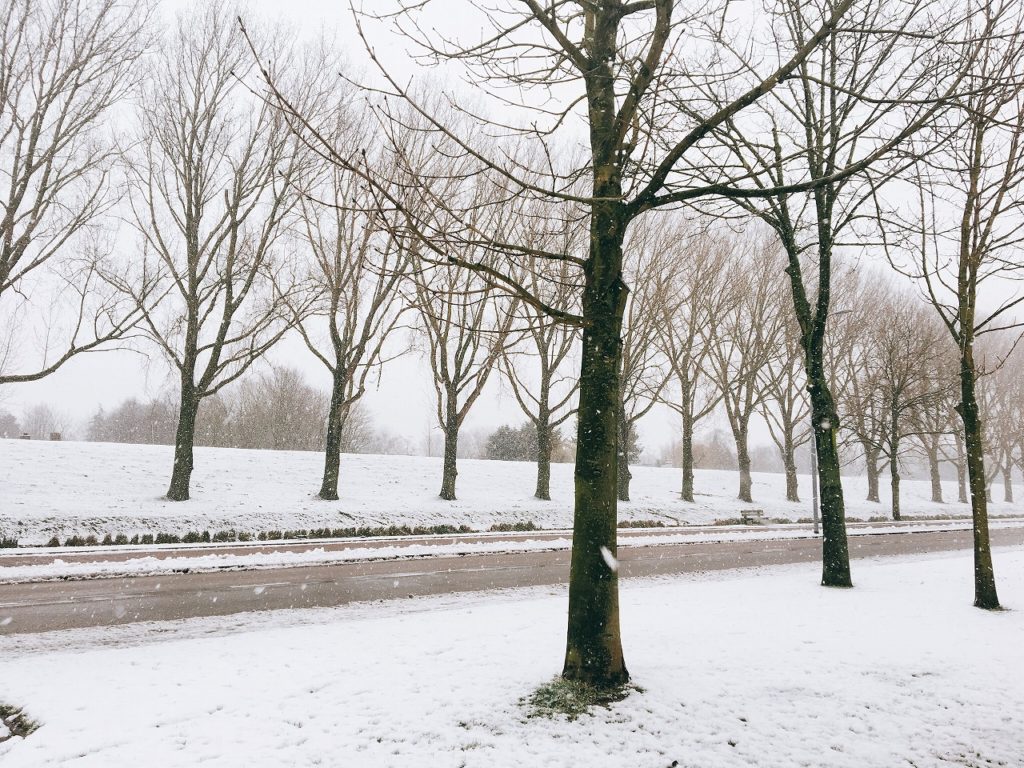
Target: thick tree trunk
{"x": 985, "y": 595}
{"x": 623, "y": 475}
{"x": 933, "y": 471}
{"x": 835, "y": 553}
{"x": 789, "y": 462}
{"x": 871, "y": 463}
{"x": 686, "y": 494}
{"x": 332, "y": 451}
{"x": 1008, "y": 483}
{"x": 593, "y": 652}
{"x": 543, "y": 490}
{"x": 451, "y": 453}
{"x": 184, "y": 440}
{"x": 743, "y": 461}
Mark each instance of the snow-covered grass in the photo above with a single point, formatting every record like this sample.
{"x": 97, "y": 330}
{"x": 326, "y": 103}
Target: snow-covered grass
{"x": 746, "y": 668}
{"x": 67, "y": 488}
{"x": 143, "y": 562}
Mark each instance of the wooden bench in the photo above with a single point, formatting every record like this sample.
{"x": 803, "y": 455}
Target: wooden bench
{"x": 752, "y": 516}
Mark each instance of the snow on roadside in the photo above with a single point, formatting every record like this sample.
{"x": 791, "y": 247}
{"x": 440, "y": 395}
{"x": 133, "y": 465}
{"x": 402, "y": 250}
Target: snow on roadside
{"x": 746, "y": 669}
{"x": 144, "y": 565}
{"x": 111, "y": 488}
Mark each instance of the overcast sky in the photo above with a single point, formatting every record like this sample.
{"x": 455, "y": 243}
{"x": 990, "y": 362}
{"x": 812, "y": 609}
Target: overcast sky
{"x": 404, "y": 401}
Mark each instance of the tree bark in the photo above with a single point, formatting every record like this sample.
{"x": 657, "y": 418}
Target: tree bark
{"x": 623, "y": 475}
{"x": 1008, "y": 482}
{"x": 184, "y": 440}
{"x": 871, "y": 463}
{"x": 332, "y": 450}
{"x": 743, "y": 461}
{"x": 936, "y": 477}
{"x": 451, "y": 451}
{"x": 593, "y": 651}
{"x": 894, "y": 485}
{"x": 985, "y": 595}
{"x": 789, "y": 462}
{"x": 686, "y": 493}
{"x": 543, "y": 490}
{"x": 961, "y": 471}
{"x": 835, "y": 553}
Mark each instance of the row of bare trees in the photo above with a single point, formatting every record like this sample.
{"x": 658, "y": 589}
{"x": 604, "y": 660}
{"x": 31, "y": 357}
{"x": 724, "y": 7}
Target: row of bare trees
{"x": 504, "y": 224}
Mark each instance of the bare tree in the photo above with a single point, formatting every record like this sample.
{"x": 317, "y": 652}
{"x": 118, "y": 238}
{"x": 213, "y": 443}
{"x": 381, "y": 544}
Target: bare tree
{"x": 749, "y": 341}
{"x": 838, "y": 121}
{"x": 547, "y": 396}
{"x": 211, "y": 185}
{"x": 785, "y": 407}
{"x": 975, "y": 180}
{"x": 466, "y": 322}
{"x": 688, "y": 332}
{"x": 352, "y": 286}
{"x": 63, "y": 66}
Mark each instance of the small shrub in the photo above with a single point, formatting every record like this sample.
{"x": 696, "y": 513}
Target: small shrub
{"x": 91, "y": 541}
{"x": 108, "y": 540}
{"x": 74, "y": 541}
{"x": 245, "y": 536}
{"x": 53, "y": 542}
{"x": 146, "y": 538}
{"x": 262, "y": 536}
{"x": 168, "y": 538}
{"x": 120, "y": 540}
{"x": 273, "y": 535}
{"x": 191, "y": 537}
{"x": 641, "y": 523}
{"x": 222, "y": 536}
{"x": 528, "y": 525}
{"x": 134, "y": 539}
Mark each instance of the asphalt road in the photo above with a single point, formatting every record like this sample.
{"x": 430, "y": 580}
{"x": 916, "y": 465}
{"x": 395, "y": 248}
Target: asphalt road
{"x": 44, "y": 606}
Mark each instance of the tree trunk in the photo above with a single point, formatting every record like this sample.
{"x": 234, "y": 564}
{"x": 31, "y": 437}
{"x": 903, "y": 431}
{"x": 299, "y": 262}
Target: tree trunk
{"x": 451, "y": 450}
{"x": 894, "y": 484}
{"x": 743, "y": 461}
{"x": 936, "y": 477}
{"x": 623, "y": 475}
{"x": 961, "y": 471}
{"x": 332, "y": 451}
{"x": 871, "y": 463}
{"x": 184, "y": 439}
{"x": 1008, "y": 483}
{"x": 789, "y": 462}
{"x": 985, "y": 595}
{"x": 686, "y": 493}
{"x": 593, "y": 649}
{"x": 543, "y": 490}
{"x": 835, "y": 552}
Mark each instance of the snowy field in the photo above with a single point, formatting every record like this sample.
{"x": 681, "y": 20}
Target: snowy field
{"x": 745, "y": 668}
{"x": 70, "y": 488}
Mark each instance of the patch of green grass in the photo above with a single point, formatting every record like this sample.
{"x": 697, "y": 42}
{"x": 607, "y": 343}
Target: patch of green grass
{"x": 572, "y": 699}
{"x": 17, "y": 722}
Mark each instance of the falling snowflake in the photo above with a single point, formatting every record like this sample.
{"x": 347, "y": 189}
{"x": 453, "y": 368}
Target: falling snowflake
{"x": 609, "y": 559}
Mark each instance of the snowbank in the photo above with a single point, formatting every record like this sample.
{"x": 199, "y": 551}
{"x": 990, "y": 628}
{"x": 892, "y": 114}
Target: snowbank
{"x": 67, "y": 488}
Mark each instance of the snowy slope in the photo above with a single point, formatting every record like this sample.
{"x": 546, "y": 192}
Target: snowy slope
{"x": 72, "y": 487}
{"x": 743, "y": 669}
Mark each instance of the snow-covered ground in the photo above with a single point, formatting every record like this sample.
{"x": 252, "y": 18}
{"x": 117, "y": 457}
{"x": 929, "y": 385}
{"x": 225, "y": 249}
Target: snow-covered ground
{"x": 745, "y": 668}
{"x": 67, "y": 488}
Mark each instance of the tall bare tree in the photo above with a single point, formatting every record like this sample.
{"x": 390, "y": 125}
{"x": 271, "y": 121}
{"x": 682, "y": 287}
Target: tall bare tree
{"x": 689, "y": 329}
{"x": 211, "y": 186}
{"x": 976, "y": 180}
{"x": 748, "y": 344}
{"x": 64, "y": 65}
{"x": 352, "y": 286}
